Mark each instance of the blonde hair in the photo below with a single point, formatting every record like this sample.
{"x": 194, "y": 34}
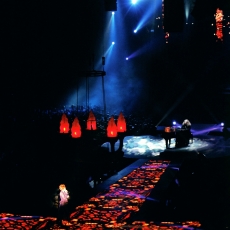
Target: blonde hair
{"x": 62, "y": 186}
{"x": 187, "y": 122}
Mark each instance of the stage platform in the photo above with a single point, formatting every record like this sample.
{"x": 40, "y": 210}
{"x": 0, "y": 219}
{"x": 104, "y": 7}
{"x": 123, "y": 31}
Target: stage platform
{"x": 175, "y": 188}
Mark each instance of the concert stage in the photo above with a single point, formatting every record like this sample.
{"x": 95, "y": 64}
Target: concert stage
{"x": 175, "y": 188}
{"x": 208, "y": 139}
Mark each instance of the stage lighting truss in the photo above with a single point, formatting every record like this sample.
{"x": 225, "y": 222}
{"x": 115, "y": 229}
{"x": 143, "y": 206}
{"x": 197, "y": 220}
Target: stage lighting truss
{"x": 95, "y": 73}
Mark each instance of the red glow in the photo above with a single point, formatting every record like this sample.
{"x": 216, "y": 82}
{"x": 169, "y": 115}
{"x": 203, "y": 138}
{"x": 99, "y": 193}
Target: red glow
{"x": 91, "y": 122}
{"x": 64, "y": 124}
{"x": 111, "y": 128}
{"x": 121, "y": 123}
{"x": 219, "y": 26}
{"x": 76, "y": 129}
{"x": 167, "y": 129}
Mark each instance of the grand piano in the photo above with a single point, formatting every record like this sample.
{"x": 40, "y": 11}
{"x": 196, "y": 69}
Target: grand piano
{"x": 182, "y": 136}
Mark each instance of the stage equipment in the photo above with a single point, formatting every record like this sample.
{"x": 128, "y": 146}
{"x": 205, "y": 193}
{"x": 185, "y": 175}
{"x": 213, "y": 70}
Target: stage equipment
{"x": 182, "y": 136}
{"x": 95, "y": 73}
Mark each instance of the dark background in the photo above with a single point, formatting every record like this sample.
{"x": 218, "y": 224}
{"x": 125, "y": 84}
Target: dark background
{"x": 46, "y": 45}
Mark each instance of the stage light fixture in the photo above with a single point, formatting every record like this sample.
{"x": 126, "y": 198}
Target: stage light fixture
{"x": 113, "y": 13}
{"x": 222, "y": 124}
{"x": 134, "y": 2}
{"x": 174, "y": 122}
{"x": 113, "y": 43}
{"x": 135, "y": 31}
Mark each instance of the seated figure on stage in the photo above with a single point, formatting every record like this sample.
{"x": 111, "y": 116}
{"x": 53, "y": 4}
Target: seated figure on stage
{"x": 186, "y": 124}
{"x": 184, "y": 134}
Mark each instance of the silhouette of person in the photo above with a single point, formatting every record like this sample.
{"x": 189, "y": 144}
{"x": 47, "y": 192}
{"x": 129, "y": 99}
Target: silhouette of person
{"x": 185, "y": 134}
{"x": 186, "y": 124}
{"x": 61, "y": 202}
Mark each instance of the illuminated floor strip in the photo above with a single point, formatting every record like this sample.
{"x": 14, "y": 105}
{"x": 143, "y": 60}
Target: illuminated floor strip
{"x": 111, "y": 208}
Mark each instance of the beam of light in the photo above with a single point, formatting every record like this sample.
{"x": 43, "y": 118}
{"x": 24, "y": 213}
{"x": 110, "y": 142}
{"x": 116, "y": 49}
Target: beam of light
{"x": 204, "y": 105}
{"x": 108, "y": 27}
{"x": 187, "y": 7}
{"x": 175, "y": 168}
{"x": 180, "y": 99}
{"x": 134, "y": 2}
{"x": 207, "y": 130}
{"x": 107, "y": 56}
{"x": 140, "y": 51}
{"x": 147, "y": 16}
{"x": 109, "y": 33}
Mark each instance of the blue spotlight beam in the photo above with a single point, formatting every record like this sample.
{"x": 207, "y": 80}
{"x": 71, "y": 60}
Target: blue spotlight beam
{"x": 147, "y": 16}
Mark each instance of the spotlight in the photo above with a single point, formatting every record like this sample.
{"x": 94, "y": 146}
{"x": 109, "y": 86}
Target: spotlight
{"x": 222, "y": 124}
{"x": 127, "y": 58}
{"x": 174, "y": 122}
{"x": 113, "y": 12}
{"x": 113, "y": 43}
{"x": 135, "y": 31}
{"x": 134, "y": 2}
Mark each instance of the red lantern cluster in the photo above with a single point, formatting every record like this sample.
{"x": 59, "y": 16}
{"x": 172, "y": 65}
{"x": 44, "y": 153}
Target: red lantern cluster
{"x": 64, "y": 124}
{"x": 112, "y": 128}
{"x": 91, "y": 122}
{"x": 76, "y": 129}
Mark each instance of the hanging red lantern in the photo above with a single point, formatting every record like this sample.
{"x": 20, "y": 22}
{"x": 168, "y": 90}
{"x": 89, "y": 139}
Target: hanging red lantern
{"x": 64, "y": 124}
{"x": 111, "y": 128}
{"x": 76, "y": 128}
{"x": 121, "y": 123}
{"x": 91, "y": 122}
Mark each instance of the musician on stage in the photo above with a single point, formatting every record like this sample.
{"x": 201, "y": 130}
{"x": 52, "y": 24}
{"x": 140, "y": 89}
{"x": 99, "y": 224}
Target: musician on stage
{"x": 186, "y": 124}
{"x": 183, "y": 136}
